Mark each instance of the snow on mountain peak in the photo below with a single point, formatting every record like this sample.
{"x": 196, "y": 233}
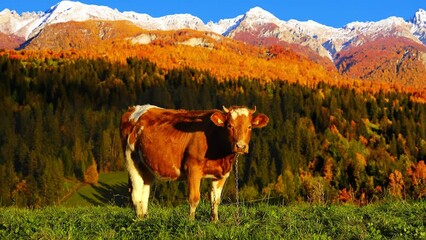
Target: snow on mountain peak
{"x": 75, "y": 11}
{"x": 259, "y": 12}
{"x": 63, "y": 6}
{"x": 419, "y": 25}
{"x": 66, "y": 11}
{"x": 259, "y": 16}
{"x": 11, "y": 22}
{"x": 420, "y": 18}
{"x": 370, "y": 28}
{"x": 309, "y": 33}
{"x": 7, "y": 11}
{"x": 179, "y": 21}
{"x": 224, "y": 25}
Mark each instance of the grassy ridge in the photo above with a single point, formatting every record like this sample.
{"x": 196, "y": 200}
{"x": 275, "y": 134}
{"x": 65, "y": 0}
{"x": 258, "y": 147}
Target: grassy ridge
{"x": 377, "y": 221}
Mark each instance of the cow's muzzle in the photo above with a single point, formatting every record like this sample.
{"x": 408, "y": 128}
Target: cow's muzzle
{"x": 240, "y": 147}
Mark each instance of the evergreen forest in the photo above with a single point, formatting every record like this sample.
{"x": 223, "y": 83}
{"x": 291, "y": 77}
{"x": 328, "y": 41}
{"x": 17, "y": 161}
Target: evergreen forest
{"x": 323, "y": 144}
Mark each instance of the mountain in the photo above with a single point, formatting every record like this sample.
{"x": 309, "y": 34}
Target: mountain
{"x": 29, "y": 25}
{"x": 256, "y": 23}
{"x": 258, "y": 26}
{"x": 392, "y": 60}
{"x": 85, "y": 35}
{"x": 419, "y": 25}
{"x": 10, "y": 41}
{"x": 351, "y": 49}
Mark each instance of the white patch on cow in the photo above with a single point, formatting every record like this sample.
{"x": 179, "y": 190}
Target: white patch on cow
{"x": 239, "y": 112}
{"x": 177, "y": 170}
{"x": 137, "y": 183}
{"x": 216, "y": 191}
{"x": 226, "y": 175}
{"x": 139, "y": 111}
{"x": 215, "y": 195}
{"x": 130, "y": 146}
{"x": 145, "y": 197}
{"x": 140, "y": 130}
{"x": 209, "y": 176}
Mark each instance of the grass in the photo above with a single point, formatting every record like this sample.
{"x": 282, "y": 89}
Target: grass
{"x": 392, "y": 220}
{"x": 102, "y": 212}
{"x": 110, "y": 190}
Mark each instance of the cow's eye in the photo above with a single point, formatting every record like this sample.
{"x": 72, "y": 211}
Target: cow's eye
{"x": 229, "y": 126}
{"x": 249, "y": 127}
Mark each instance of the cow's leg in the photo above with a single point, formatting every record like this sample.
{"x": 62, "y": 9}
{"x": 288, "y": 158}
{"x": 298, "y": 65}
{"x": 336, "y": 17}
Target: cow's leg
{"x": 215, "y": 194}
{"x": 137, "y": 184}
{"x": 194, "y": 180}
{"x": 147, "y": 181}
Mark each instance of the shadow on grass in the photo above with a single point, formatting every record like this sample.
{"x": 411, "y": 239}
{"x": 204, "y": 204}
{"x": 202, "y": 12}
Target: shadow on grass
{"x": 108, "y": 194}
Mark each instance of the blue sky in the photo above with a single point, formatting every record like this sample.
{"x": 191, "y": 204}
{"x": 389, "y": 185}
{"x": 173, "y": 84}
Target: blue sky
{"x": 331, "y": 13}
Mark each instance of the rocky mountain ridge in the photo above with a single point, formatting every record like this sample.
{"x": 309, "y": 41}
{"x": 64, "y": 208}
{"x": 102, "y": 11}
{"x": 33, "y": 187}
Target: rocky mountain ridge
{"x": 324, "y": 40}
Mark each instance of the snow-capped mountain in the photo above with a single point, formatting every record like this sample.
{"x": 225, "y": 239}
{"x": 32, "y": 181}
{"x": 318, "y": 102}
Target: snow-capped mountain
{"x": 256, "y": 24}
{"x": 13, "y": 23}
{"x": 259, "y": 25}
{"x": 325, "y": 40}
{"x": 419, "y": 25}
{"x": 28, "y": 25}
{"x": 224, "y": 26}
{"x": 170, "y": 22}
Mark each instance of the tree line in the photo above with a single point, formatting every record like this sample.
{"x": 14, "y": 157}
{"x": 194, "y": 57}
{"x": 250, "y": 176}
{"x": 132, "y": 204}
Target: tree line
{"x": 60, "y": 117}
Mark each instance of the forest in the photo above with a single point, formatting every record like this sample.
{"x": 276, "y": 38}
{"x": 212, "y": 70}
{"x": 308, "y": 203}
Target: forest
{"x": 59, "y": 119}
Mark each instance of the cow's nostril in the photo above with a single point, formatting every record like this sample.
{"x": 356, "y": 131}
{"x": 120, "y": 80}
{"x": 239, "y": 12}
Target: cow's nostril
{"x": 240, "y": 146}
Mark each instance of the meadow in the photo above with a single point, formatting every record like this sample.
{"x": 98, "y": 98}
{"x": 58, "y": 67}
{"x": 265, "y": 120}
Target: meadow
{"x": 102, "y": 211}
{"x": 392, "y": 220}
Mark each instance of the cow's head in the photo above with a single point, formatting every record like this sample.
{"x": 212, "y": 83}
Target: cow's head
{"x": 239, "y": 122}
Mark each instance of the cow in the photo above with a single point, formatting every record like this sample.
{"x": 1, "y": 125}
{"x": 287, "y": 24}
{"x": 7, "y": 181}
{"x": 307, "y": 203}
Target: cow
{"x": 186, "y": 145}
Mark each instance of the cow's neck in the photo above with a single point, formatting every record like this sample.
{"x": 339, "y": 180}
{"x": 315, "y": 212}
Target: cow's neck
{"x": 219, "y": 168}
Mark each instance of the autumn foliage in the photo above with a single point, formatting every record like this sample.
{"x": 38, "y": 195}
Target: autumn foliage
{"x": 363, "y": 68}
{"x": 396, "y": 60}
{"x": 417, "y": 175}
{"x": 396, "y": 183}
{"x": 91, "y": 174}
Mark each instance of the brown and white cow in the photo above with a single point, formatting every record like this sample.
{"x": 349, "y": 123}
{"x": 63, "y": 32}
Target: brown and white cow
{"x": 184, "y": 145}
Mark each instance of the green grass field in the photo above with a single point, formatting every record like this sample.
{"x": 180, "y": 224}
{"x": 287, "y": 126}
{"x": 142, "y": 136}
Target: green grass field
{"x": 112, "y": 189}
{"x": 395, "y": 220}
{"x": 103, "y": 212}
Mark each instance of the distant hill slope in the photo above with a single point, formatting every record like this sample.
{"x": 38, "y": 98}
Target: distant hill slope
{"x": 87, "y": 35}
{"x": 390, "y": 60}
{"x": 10, "y": 41}
{"x": 224, "y": 57}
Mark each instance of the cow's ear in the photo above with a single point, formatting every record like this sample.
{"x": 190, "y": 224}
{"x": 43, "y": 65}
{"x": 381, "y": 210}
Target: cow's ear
{"x": 259, "y": 121}
{"x": 218, "y": 118}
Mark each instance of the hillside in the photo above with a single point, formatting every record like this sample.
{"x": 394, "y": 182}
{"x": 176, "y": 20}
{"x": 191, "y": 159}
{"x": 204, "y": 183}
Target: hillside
{"x": 323, "y": 144}
{"x": 223, "y": 57}
{"x": 10, "y": 41}
{"x": 89, "y": 35}
{"x": 329, "y": 48}
{"x": 389, "y": 60}
{"x": 226, "y": 58}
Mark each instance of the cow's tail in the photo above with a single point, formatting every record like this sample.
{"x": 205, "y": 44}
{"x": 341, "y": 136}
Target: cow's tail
{"x": 126, "y": 129}
{"x": 130, "y": 131}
